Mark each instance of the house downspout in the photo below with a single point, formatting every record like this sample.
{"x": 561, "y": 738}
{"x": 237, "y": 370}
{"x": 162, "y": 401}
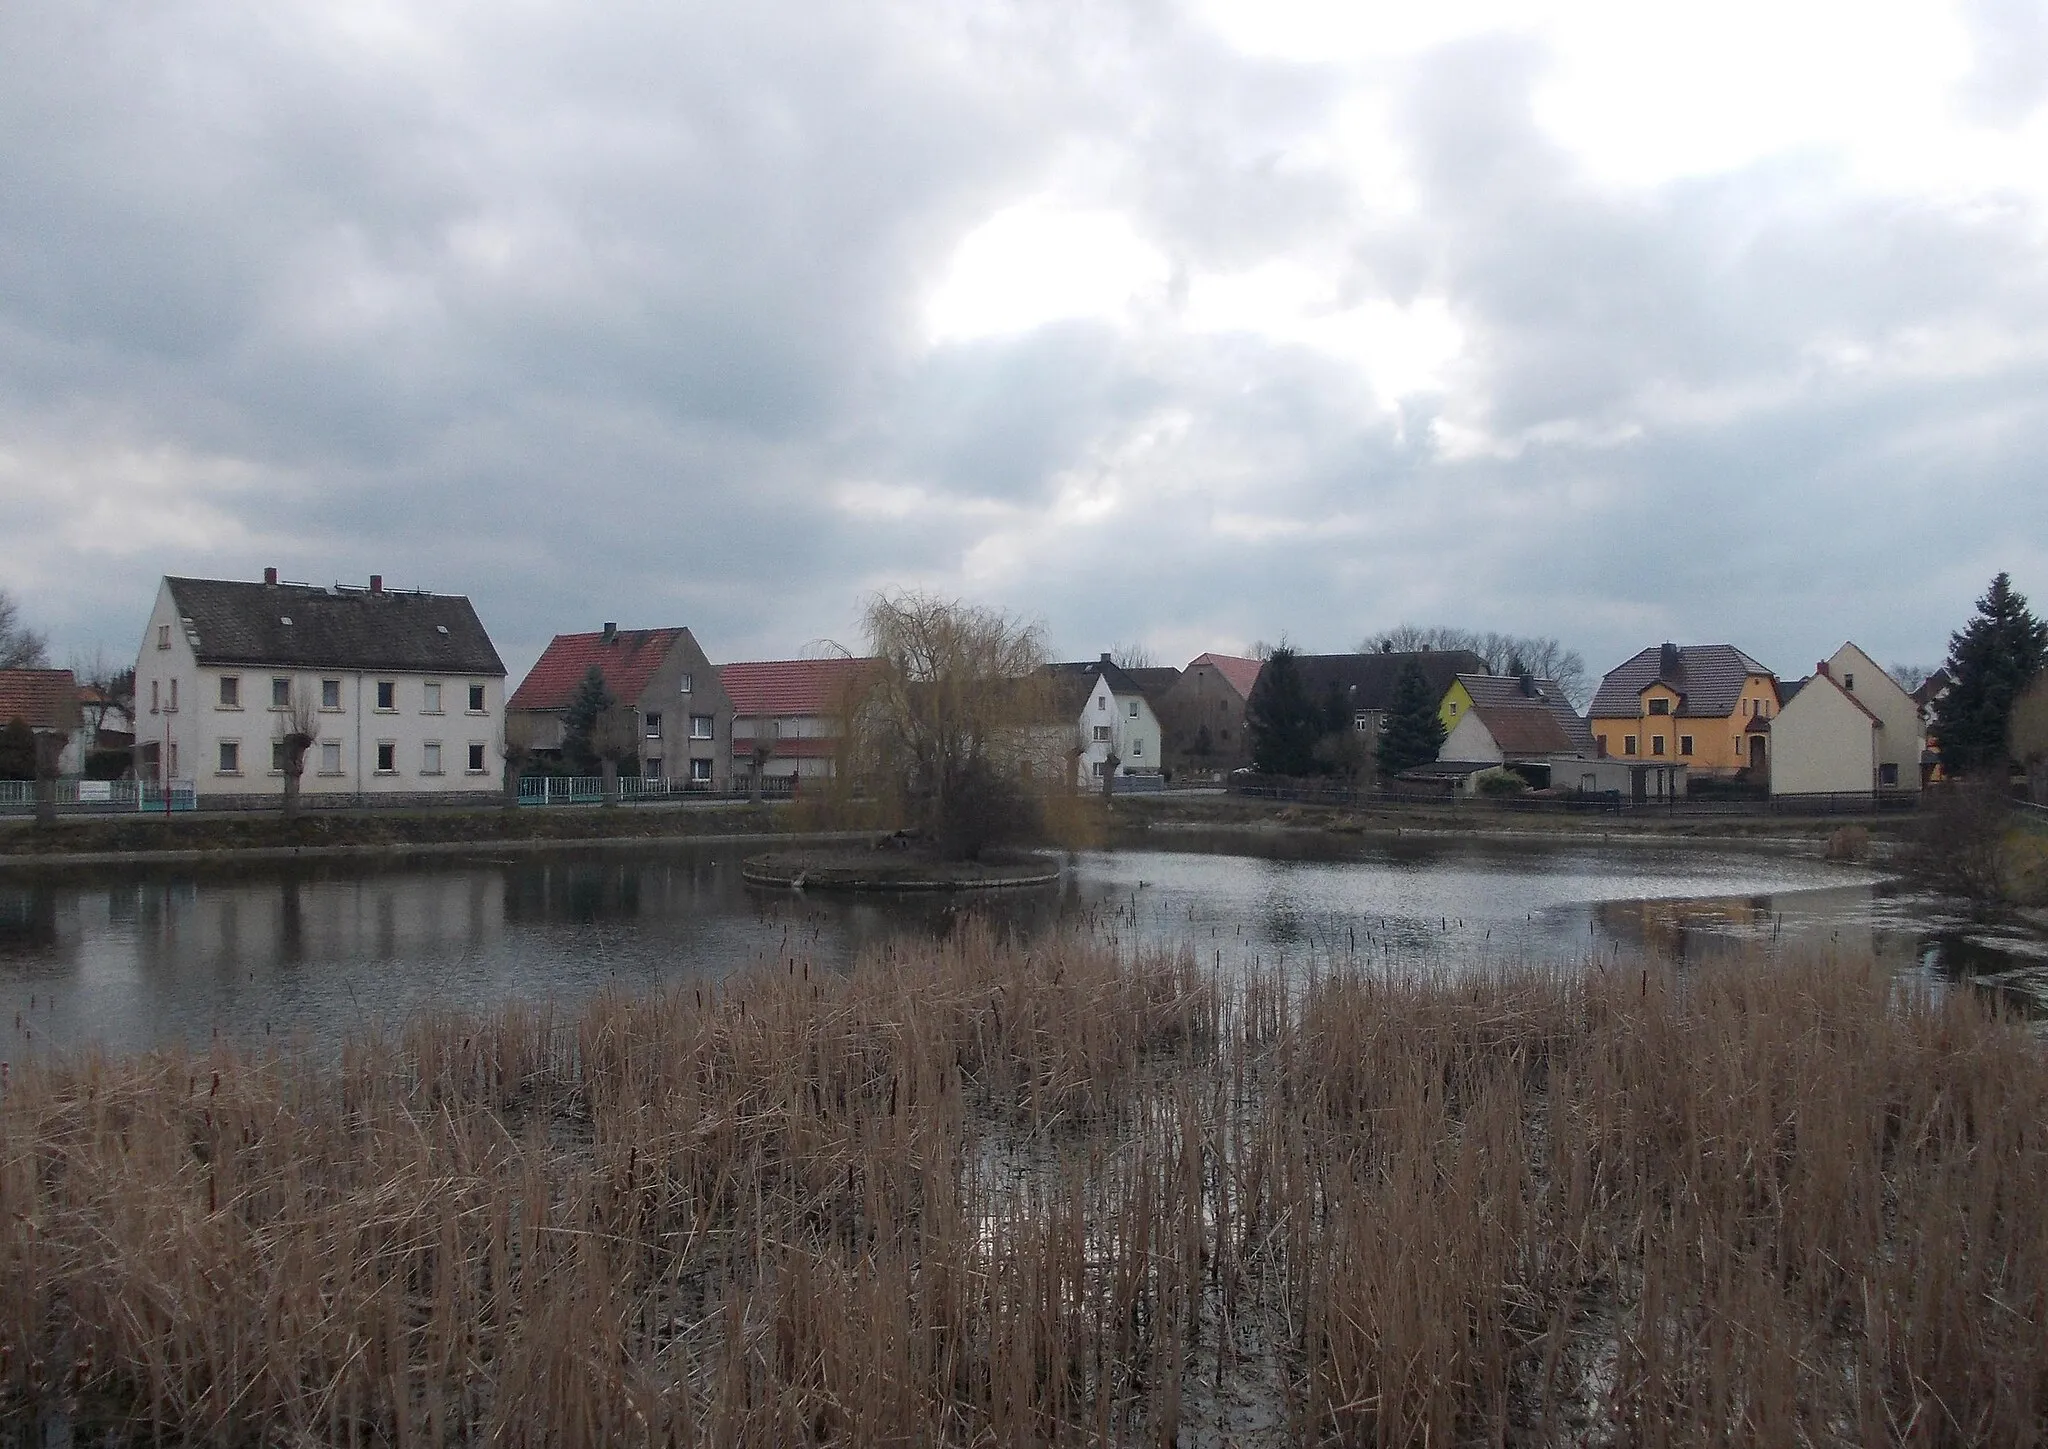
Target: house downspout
{"x": 359, "y": 737}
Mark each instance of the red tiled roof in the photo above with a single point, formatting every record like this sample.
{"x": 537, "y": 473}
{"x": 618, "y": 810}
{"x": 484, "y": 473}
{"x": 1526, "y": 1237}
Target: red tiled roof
{"x": 768, "y": 687}
{"x": 37, "y": 697}
{"x": 1242, "y": 674}
{"x": 1524, "y": 729}
{"x": 628, "y": 660}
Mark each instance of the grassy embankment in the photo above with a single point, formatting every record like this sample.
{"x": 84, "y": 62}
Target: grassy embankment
{"x": 975, "y": 1194}
{"x": 390, "y": 829}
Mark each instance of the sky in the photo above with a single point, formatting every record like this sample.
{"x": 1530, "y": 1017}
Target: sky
{"x": 1182, "y": 326}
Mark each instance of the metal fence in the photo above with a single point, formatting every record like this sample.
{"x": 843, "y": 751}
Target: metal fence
{"x": 100, "y": 797}
{"x": 589, "y": 790}
{"x": 1315, "y": 792}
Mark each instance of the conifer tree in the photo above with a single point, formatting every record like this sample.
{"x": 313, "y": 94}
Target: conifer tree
{"x": 593, "y": 697}
{"x": 1283, "y": 721}
{"x": 1991, "y": 661}
{"x": 1414, "y": 733}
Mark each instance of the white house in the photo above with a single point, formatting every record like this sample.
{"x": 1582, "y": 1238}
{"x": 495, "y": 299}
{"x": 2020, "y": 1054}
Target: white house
{"x": 1849, "y": 728}
{"x": 1114, "y": 716}
{"x": 405, "y": 689}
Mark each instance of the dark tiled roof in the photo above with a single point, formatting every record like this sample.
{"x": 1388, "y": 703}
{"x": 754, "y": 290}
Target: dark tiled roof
{"x": 790, "y": 686}
{"x": 1367, "y": 680}
{"x": 1932, "y": 687}
{"x": 1506, "y": 690}
{"x": 42, "y": 699}
{"x": 1709, "y": 676}
{"x": 1153, "y": 682}
{"x": 1074, "y": 682}
{"x": 338, "y": 628}
{"x": 627, "y": 658}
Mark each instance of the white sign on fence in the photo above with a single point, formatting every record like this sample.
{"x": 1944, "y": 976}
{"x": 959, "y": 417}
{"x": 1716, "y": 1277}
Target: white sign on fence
{"x": 95, "y": 792}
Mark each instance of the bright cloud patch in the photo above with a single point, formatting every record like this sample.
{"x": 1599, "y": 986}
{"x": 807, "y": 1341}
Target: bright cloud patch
{"x": 1038, "y": 262}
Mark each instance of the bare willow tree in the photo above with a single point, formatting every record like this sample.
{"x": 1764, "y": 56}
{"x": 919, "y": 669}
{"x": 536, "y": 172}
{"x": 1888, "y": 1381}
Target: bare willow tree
{"x": 955, "y": 725}
{"x": 50, "y": 743}
{"x": 614, "y": 735}
{"x": 297, "y": 727}
{"x": 2027, "y": 735}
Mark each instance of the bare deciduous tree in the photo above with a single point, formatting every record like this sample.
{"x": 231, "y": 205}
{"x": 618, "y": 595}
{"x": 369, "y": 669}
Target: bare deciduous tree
{"x": 1909, "y": 677}
{"x": 614, "y": 735}
{"x": 20, "y": 646}
{"x": 954, "y": 715}
{"x": 50, "y": 742}
{"x": 297, "y": 727}
{"x": 520, "y": 734}
{"x": 1536, "y": 654}
{"x": 1133, "y": 656}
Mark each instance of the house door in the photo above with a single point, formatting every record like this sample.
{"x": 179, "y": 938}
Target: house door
{"x": 1759, "y": 760}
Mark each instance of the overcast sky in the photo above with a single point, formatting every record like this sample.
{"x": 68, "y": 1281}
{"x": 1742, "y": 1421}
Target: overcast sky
{"x": 1181, "y": 324}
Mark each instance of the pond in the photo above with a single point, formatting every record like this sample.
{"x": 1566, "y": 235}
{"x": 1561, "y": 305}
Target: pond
{"x": 142, "y": 956}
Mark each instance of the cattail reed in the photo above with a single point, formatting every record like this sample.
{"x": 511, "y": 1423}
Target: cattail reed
{"x": 976, "y": 1193}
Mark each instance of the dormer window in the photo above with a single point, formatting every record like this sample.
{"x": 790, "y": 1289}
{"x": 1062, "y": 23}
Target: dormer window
{"x": 1660, "y": 706}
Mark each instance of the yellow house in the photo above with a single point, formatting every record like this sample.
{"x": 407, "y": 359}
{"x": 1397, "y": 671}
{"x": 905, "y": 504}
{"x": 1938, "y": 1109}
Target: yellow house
{"x": 1694, "y": 705}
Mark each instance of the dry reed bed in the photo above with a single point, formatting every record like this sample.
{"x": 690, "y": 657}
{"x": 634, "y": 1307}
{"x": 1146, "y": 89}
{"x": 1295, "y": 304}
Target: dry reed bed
{"x": 981, "y": 1193}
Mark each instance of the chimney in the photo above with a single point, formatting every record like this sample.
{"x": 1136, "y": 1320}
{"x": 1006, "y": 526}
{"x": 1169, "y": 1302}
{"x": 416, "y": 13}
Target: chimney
{"x": 376, "y": 583}
{"x": 1528, "y": 683}
{"x": 270, "y": 576}
{"x": 1822, "y": 668}
{"x": 611, "y": 631}
{"x": 1667, "y": 662}
{"x": 1105, "y": 656}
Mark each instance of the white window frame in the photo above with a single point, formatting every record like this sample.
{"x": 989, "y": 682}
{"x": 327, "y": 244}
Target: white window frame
{"x": 228, "y": 757}
{"x": 700, "y": 770}
{"x": 280, "y": 699}
{"x": 228, "y": 694}
{"x": 336, "y": 769}
{"x": 163, "y": 636}
{"x": 325, "y": 684}
{"x": 430, "y": 757}
{"x": 382, "y": 685}
{"x": 430, "y": 694}
{"x": 479, "y": 699}
{"x": 710, "y": 731}
{"x": 478, "y": 750}
{"x": 382, "y": 747}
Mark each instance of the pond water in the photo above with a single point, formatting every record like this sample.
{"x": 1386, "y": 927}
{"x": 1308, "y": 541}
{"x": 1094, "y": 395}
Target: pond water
{"x": 148, "y": 955}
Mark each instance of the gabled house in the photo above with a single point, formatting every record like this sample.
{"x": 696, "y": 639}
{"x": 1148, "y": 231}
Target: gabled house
{"x": 1847, "y": 728}
{"x": 788, "y": 715}
{"x": 403, "y": 688}
{"x": 1516, "y": 691}
{"x": 1927, "y": 698}
{"x": 1691, "y": 705}
{"x": 1363, "y": 685}
{"x": 1201, "y": 715}
{"x": 46, "y": 700}
{"x": 682, "y": 716}
{"x": 1513, "y": 730}
{"x": 1113, "y": 714}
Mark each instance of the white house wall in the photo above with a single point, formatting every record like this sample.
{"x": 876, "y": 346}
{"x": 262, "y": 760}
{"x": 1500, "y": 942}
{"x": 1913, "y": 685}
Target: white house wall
{"x": 1821, "y": 743}
{"x": 344, "y": 759}
{"x": 1132, "y": 729}
{"x": 1904, "y": 736}
{"x": 1470, "y": 739}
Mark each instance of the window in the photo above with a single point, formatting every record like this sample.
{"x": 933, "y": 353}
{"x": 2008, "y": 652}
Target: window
{"x": 230, "y": 757}
{"x": 1101, "y": 703}
{"x": 1134, "y": 709}
{"x": 1849, "y": 682}
{"x": 163, "y": 636}
{"x": 1660, "y": 706}
{"x": 430, "y": 758}
{"x": 651, "y": 767}
{"x": 683, "y": 685}
{"x": 433, "y": 698}
{"x": 700, "y": 772}
{"x": 1656, "y": 744}
{"x": 1454, "y": 709}
{"x": 174, "y": 696}
{"x": 280, "y": 692}
{"x": 654, "y": 724}
{"x": 387, "y": 694}
{"x": 1600, "y": 744}
{"x": 700, "y": 727}
{"x": 387, "y": 757}
{"x": 1101, "y": 732}
{"x": 153, "y": 705}
{"x": 476, "y": 757}
{"x": 476, "y": 699}
{"x": 330, "y": 694}
{"x": 1888, "y": 776}
{"x": 277, "y": 757}
{"x": 1137, "y": 747}
{"x": 330, "y": 757}
{"x": 1628, "y": 744}
{"x": 1685, "y": 744}
{"x": 1361, "y": 722}
{"x": 230, "y": 691}
{"x": 1738, "y": 746}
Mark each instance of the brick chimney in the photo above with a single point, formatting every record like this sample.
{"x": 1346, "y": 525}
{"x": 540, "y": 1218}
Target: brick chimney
{"x": 1667, "y": 662}
{"x": 270, "y": 576}
{"x": 376, "y": 583}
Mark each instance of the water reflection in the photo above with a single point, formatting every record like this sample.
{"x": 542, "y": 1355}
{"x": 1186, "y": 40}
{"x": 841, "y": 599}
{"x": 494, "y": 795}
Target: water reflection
{"x": 137, "y": 957}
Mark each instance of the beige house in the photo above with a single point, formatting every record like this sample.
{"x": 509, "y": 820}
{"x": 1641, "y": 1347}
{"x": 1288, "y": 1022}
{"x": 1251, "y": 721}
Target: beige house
{"x": 1824, "y": 741}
